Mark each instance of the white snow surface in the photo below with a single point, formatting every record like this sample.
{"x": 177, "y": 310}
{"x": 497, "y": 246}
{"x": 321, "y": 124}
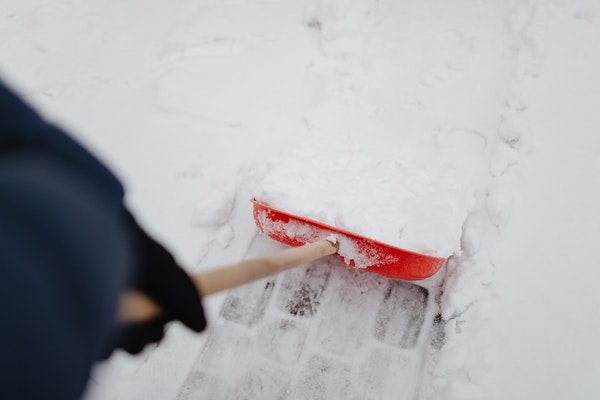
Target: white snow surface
{"x": 419, "y": 205}
{"x": 466, "y": 129}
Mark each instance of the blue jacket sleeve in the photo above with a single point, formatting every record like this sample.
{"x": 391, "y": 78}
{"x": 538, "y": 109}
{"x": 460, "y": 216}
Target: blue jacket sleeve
{"x": 64, "y": 256}
{"x": 68, "y": 247}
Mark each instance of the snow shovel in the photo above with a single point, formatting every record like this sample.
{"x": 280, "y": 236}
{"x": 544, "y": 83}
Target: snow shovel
{"x": 311, "y": 240}
{"x": 354, "y": 250}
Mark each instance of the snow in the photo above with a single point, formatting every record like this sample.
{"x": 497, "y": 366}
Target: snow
{"x": 350, "y": 248}
{"x": 464, "y": 129}
{"x": 417, "y": 205}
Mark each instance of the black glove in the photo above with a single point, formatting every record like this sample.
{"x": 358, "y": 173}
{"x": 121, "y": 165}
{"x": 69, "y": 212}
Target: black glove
{"x": 157, "y": 275}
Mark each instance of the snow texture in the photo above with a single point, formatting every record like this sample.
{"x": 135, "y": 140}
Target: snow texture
{"x": 465, "y": 129}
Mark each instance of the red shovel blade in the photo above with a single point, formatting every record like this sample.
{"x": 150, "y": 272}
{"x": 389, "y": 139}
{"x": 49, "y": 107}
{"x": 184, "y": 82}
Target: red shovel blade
{"x": 355, "y": 250}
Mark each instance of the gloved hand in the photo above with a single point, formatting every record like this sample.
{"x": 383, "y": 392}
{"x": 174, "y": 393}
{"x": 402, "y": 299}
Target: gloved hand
{"x": 157, "y": 275}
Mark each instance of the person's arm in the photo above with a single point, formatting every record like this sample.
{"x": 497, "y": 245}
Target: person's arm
{"x": 68, "y": 248}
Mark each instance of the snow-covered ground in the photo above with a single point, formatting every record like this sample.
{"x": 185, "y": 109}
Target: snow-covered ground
{"x": 465, "y": 128}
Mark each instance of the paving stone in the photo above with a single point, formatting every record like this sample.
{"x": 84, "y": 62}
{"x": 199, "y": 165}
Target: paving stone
{"x": 323, "y": 379}
{"x": 385, "y": 374}
{"x": 348, "y": 312}
{"x": 301, "y": 288}
{"x": 282, "y": 340}
{"x": 200, "y": 385}
{"x": 246, "y": 304}
{"x": 227, "y": 345}
{"x": 401, "y": 316}
{"x": 260, "y": 382}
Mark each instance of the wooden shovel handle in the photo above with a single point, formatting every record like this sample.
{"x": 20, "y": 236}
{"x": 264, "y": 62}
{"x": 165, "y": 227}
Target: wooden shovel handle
{"x": 137, "y": 307}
